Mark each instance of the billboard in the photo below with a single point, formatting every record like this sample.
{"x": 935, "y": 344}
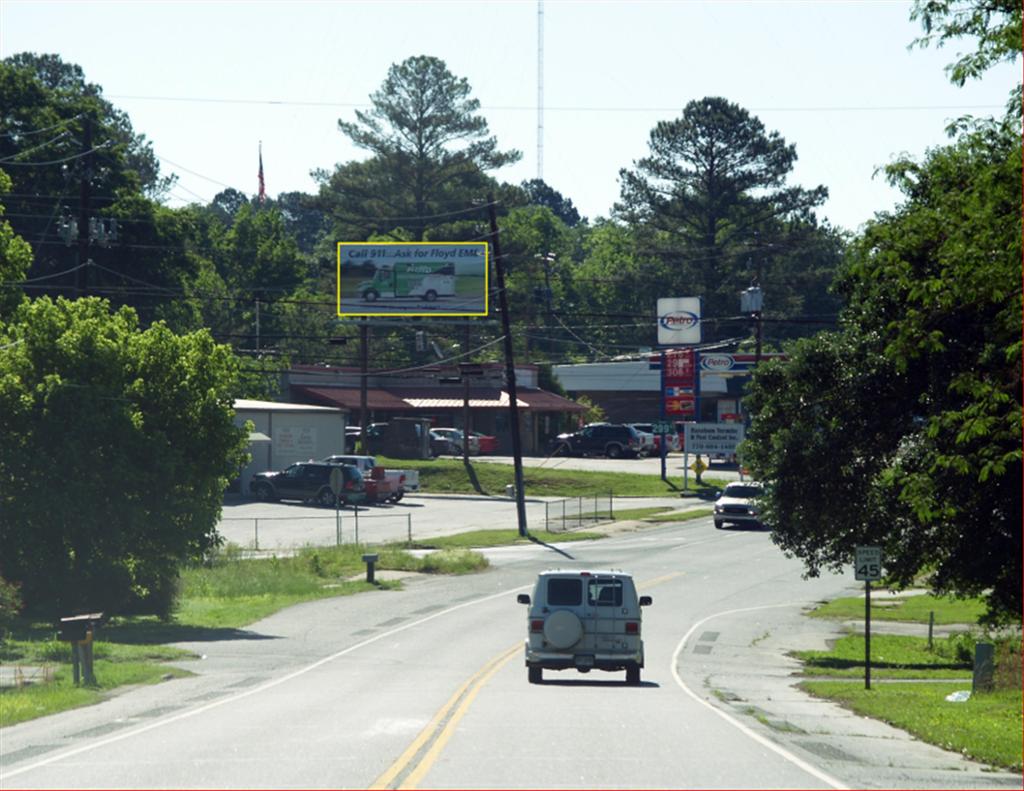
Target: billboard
{"x": 412, "y": 279}
{"x": 712, "y": 437}
{"x": 678, "y": 321}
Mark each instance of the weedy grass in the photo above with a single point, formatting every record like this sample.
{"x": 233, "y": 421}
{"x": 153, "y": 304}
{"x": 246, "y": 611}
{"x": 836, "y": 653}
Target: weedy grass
{"x": 892, "y": 656}
{"x": 986, "y": 728}
{"x": 907, "y": 608}
{"x": 18, "y": 704}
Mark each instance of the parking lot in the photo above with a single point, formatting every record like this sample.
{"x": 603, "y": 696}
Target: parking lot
{"x": 285, "y": 526}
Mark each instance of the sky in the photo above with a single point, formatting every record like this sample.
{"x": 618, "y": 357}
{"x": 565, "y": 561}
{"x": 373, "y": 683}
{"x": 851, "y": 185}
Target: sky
{"x": 206, "y": 82}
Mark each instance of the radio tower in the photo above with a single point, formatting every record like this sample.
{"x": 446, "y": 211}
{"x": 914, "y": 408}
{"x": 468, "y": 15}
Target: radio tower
{"x": 540, "y": 89}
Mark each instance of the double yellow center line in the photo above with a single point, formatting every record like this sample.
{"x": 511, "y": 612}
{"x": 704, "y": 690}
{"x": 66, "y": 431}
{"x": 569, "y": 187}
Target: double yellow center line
{"x": 433, "y": 738}
{"x": 427, "y": 746}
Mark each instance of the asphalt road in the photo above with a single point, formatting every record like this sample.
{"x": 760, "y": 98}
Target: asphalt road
{"x": 425, "y": 688}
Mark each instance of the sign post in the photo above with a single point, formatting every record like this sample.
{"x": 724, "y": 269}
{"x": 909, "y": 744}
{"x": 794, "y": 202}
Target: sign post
{"x": 867, "y": 566}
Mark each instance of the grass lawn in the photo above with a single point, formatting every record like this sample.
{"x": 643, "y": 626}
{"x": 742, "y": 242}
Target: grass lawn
{"x": 909, "y": 608}
{"x": 892, "y": 656}
{"x": 497, "y": 538}
{"x": 450, "y": 476}
{"x": 18, "y": 704}
{"x": 986, "y": 728}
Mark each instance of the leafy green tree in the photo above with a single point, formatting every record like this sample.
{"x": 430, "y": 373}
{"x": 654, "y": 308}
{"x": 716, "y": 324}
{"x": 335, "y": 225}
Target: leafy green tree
{"x": 118, "y": 444}
{"x": 15, "y": 258}
{"x": 711, "y": 200}
{"x": 429, "y": 155}
{"x": 47, "y": 113}
{"x": 903, "y": 429}
{"x": 996, "y": 24}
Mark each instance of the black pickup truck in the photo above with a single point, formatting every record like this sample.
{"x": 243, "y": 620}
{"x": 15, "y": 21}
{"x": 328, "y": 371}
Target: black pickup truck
{"x": 309, "y": 482}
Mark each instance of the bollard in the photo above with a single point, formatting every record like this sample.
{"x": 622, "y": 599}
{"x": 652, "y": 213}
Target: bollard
{"x": 408, "y": 527}
{"x": 510, "y": 490}
{"x": 931, "y": 628}
{"x": 984, "y": 667}
{"x": 370, "y": 560}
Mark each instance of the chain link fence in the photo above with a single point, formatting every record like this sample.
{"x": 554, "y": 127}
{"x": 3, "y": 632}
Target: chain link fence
{"x": 292, "y": 532}
{"x": 573, "y": 513}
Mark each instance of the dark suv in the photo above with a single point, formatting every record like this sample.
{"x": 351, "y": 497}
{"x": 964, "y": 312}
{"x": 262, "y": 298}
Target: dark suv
{"x": 613, "y": 440}
{"x": 308, "y": 481}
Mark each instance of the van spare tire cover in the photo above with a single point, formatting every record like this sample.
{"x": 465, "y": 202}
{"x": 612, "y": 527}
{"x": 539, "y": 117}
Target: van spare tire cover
{"x": 563, "y": 629}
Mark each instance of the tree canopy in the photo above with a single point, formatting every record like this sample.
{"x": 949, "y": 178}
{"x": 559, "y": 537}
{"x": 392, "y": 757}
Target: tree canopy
{"x": 118, "y": 445}
{"x": 903, "y": 429}
{"x": 430, "y": 152}
{"x": 711, "y": 200}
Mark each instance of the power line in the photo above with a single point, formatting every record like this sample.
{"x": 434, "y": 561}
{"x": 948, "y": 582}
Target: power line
{"x": 564, "y": 108}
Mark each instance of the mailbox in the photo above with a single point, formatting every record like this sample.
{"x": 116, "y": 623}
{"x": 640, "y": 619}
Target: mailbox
{"x": 77, "y": 628}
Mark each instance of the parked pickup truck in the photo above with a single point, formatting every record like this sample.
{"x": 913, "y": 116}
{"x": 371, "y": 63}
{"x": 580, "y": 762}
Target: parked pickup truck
{"x": 389, "y": 488}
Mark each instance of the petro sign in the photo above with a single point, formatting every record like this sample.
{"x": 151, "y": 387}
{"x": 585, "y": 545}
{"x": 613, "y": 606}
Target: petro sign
{"x": 678, "y": 321}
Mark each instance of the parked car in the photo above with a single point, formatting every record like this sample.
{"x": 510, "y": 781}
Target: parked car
{"x": 738, "y": 505}
{"x": 672, "y": 441}
{"x": 486, "y": 443}
{"x": 441, "y": 445}
{"x": 309, "y": 482}
{"x": 648, "y": 442}
{"x": 584, "y": 620}
{"x": 613, "y": 440}
{"x": 454, "y": 438}
{"x": 401, "y": 481}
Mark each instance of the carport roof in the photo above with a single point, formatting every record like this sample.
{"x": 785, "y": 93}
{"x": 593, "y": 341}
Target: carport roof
{"x": 348, "y": 397}
{"x": 397, "y": 399}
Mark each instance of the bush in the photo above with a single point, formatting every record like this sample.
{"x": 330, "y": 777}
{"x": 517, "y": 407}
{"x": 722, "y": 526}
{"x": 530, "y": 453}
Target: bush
{"x": 10, "y": 605}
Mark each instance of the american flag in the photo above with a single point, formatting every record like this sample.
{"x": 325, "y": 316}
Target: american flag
{"x": 263, "y": 188}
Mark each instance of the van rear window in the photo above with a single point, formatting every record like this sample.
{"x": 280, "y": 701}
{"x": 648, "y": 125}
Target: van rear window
{"x": 565, "y": 592}
{"x": 606, "y": 592}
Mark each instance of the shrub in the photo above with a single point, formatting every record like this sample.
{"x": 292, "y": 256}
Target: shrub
{"x": 10, "y": 604}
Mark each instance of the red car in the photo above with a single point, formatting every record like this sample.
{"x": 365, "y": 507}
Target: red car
{"x": 487, "y": 444}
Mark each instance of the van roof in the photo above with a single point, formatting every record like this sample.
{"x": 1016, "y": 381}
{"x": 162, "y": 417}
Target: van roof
{"x": 586, "y": 572}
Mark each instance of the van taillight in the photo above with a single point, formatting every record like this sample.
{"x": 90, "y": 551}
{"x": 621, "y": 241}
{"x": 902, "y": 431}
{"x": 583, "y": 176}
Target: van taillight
{"x": 632, "y": 627}
{"x": 537, "y": 626}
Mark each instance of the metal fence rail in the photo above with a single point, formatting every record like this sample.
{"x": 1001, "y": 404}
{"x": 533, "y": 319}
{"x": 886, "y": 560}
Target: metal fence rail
{"x": 573, "y": 513}
{"x": 290, "y": 532}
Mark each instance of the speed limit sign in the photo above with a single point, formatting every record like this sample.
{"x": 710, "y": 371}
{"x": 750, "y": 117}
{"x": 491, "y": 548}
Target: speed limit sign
{"x": 867, "y": 563}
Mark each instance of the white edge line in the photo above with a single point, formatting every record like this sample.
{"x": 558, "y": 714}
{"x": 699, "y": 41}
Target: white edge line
{"x": 765, "y": 742}
{"x": 269, "y": 685}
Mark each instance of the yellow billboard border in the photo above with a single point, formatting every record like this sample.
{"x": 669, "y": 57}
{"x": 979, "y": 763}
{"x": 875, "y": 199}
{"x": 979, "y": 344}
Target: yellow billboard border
{"x": 487, "y": 270}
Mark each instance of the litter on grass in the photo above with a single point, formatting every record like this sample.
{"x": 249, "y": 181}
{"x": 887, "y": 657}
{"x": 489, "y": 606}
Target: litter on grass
{"x": 960, "y": 696}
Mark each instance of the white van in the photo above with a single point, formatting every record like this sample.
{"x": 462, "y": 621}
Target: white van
{"x": 584, "y": 620}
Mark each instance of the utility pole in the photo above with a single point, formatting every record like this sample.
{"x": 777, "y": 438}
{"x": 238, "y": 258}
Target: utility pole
{"x": 760, "y": 323}
{"x": 364, "y": 364}
{"x": 510, "y": 369}
{"x": 465, "y": 402}
{"x": 81, "y": 275}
